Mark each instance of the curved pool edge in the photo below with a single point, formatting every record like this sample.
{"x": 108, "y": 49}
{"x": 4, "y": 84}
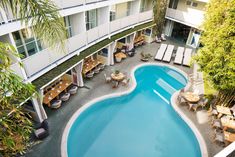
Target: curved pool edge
{"x": 192, "y": 126}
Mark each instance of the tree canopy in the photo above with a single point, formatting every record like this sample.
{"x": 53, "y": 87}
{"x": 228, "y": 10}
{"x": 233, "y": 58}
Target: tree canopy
{"x": 217, "y": 56}
{"x": 159, "y": 12}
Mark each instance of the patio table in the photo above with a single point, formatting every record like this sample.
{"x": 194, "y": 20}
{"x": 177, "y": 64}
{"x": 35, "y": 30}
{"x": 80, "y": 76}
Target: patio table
{"x": 90, "y": 66}
{"x": 227, "y": 122}
{"x": 54, "y": 92}
{"x": 228, "y": 136}
{"x": 191, "y": 97}
{"x": 118, "y": 77}
{"x": 223, "y": 110}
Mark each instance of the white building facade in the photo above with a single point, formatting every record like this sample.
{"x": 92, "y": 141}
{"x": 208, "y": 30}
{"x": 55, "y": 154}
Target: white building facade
{"x": 89, "y": 22}
{"x": 184, "y": 19}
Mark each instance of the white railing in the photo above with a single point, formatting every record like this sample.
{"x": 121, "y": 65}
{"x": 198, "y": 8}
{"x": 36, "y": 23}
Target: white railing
{"x": 145, "y": 16}
{"x": 44, "y": 58}
{"x": 17, "y": 70}
{"x": 103, "y": 30}
{"x": 91, "y": 1}
{"x": 130, "y": 20}
{"x": 192, "y": 18}
{"x": 92, "y": 34}
{"x": 68, "y": 3}
{"x": 76, "y": 42}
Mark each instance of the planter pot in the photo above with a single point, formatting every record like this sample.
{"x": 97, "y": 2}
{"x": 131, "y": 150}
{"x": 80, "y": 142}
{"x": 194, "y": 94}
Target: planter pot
{"x": 144, "y": 59}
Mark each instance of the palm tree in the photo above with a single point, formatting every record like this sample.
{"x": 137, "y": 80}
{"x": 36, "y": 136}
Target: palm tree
{"x": 48, "y": 25}
{"x": 159, "y": 12}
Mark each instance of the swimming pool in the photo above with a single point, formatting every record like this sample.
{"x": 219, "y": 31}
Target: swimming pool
{"x": 139, "y": 124}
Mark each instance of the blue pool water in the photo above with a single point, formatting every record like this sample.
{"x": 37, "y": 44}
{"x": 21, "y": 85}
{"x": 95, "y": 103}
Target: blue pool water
{"x": 140, "y": 124}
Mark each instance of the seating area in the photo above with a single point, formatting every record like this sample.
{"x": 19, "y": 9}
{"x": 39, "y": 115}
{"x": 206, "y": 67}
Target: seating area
{"x": 116, "y": 78}
{"x": 92, "y": 66}
{"x": 223, "y": 121}
{"x": 193, "y": 99}
{"x": 182, "y": 57}
{"x": 58, "y": 92}
{"x": 222, "y": 118}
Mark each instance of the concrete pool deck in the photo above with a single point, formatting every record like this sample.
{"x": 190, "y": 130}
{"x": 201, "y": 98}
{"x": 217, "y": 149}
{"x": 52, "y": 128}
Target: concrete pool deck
{"x": 50, "y": 147}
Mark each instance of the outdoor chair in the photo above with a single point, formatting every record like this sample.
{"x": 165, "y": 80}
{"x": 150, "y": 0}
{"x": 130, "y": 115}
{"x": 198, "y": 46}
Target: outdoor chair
{"x": 118, "y": 60}
{"x": 90, "y": 75}
{"x": 202, "y": 103}
{"x": 219, "y": 137}
{"x": 65, "y": 97}
{"x": 115, "y": 84}
{"x": 56, "y": 104}
{"x": 73, "y": 90}
{"x": 42, "y": 131}
{"x": 97, "y": 70}
{"x": 217, "y": 124}
{"x": 180, "y": 97}
{"x": 163, "y": 38}
{"x": 107, "y": 79}
{"x": 125, "y": 82}
{"x": 102, "y": 66}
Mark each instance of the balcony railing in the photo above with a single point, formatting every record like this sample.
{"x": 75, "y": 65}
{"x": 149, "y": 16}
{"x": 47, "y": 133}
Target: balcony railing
{"x": 130, "y": 20}
{"x": 192, "y": 18}
{"x": 68, "y": 3}
{"x": 17, "y": 70}
{"x": 49, "y": 57}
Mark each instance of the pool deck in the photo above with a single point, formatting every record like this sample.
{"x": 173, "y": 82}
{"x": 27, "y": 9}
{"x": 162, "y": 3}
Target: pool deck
{"x": 96, "y": 87}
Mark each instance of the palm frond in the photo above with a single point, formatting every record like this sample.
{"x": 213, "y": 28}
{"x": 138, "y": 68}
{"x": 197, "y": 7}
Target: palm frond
{"x": 48, "y": 25}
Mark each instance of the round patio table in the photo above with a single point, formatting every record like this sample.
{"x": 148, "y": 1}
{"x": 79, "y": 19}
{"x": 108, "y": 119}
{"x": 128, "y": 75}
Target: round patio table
{"x": 117, "y": 77}
{"x": 191, "y": 97}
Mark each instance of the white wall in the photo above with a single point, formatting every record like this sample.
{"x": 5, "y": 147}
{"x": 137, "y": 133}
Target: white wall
{"x": 103, "y": 15}
{"x": 78, "y": 23}
{"x": 121, "y": 10}
{"x": 135, "y": 7}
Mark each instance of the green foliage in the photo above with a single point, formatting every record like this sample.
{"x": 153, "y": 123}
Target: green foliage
{"x": 15, "y": 128}
{"x": 217, "y": 56}
{"x": 159, "y": 12}
{"x": 48, "y": 24}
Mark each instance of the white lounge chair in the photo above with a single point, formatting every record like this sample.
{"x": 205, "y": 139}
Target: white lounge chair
{"x": 187, "y": 57}
{"x": 168, "y": 53}
{"x": 160, "y": 52}
{"x": 179, "y": 55}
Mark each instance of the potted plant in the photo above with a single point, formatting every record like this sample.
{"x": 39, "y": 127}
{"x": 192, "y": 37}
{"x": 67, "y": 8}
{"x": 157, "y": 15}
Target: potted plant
{"x": 116, "y": 72}
{"x": 145, "y": 56}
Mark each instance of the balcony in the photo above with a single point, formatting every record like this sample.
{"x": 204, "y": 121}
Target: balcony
{"x": 52, "y": 58}
{"x": 130, "y": 20}
{"x": 49, "y": 57}
{"x": 17, "y": 70}
{"x": 193, "y": 18}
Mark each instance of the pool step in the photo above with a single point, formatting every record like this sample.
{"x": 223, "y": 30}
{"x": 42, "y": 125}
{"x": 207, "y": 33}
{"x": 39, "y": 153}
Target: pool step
{"x": 167, "y": 87}
{"x": 162, "y": 97}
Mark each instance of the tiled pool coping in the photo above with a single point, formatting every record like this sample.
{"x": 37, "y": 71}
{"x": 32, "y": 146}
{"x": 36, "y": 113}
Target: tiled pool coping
{"x": 198, "y": 135}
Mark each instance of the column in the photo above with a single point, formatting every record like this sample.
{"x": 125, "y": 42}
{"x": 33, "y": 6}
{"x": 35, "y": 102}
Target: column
{"x": 111, "y": 50}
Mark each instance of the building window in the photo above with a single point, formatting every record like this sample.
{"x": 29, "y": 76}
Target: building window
{"x": 68, "y": 26}
{"x": 128, "y": 11}
{"x": 91, "y": 19}
{"x": 142, "y": 5}
{"x": 191, "y": 3}
{"x": 26, "y": 43}
{"x": 112, "y": 15}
